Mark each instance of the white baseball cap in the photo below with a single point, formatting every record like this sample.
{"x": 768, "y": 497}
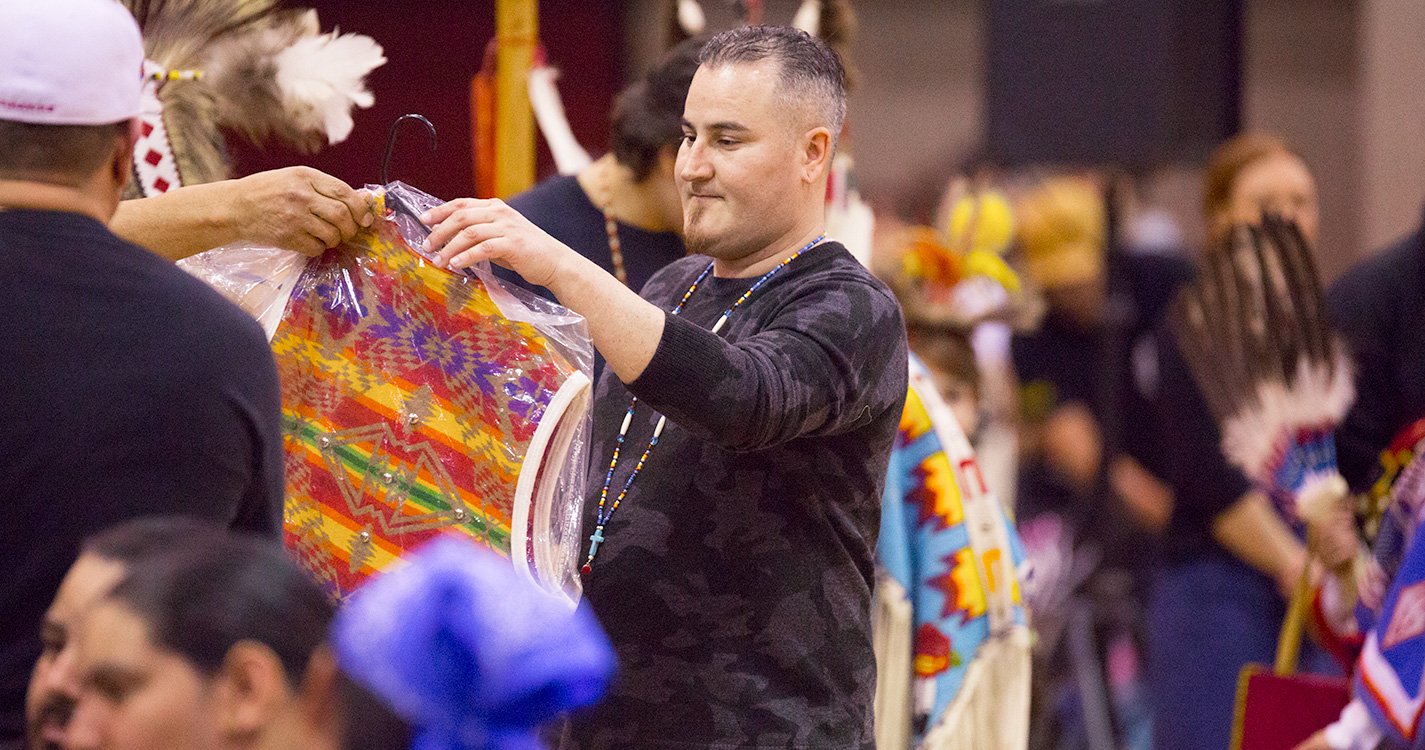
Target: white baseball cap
{"x": 69, "y": 62}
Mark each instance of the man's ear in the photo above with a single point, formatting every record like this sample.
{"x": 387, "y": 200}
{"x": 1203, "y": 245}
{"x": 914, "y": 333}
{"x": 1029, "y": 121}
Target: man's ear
{"x": 122, "y": 162}
{"x": 252, "y": 689}
{"x": 815, "y": 154}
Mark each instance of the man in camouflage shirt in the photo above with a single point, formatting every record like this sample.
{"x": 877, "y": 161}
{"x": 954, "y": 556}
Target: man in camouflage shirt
{"x": 734, "y": 579}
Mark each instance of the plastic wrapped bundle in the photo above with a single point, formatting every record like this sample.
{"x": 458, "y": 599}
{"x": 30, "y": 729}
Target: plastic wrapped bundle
{"x": 419, "y": 402}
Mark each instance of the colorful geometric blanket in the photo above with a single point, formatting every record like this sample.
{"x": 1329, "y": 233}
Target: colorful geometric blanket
{"x": 413, "y": 407}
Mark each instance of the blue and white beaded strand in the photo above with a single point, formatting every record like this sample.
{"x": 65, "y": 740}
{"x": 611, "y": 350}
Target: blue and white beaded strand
{"x": 602, "y": 516}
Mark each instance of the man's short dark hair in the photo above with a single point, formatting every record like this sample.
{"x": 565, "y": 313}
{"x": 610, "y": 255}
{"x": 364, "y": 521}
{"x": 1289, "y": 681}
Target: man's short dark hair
{"x": 202, "y": 598}
{"x": 367, "y": 722}
{"x": 134, "y": 540}
{"x": 648, "y": 115}
{"x": 808, "y": 67}
{"x": 55, "y": 151}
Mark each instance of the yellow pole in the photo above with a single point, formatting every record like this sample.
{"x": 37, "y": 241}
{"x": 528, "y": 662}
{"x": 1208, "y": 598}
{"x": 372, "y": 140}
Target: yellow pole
{"x": 516, "y": 28}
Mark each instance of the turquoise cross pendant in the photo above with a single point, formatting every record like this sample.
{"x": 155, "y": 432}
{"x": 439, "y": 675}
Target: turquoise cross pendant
{"x": 594, "y": 541}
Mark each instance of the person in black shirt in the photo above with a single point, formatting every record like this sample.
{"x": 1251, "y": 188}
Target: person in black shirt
{"x": 1229, "y": 559}
{"x": 1377, "y": 306}
{"x": 734, "y": 576}
{"x": 625, "y": 200}
{"x": 129, "y": 387}
{"x": 1088, "y": 385}
{"x": 1087, "y": 376}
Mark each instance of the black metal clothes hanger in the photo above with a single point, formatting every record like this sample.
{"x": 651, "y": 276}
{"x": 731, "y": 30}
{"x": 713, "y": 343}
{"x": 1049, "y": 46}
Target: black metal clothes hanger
{"x": 393, "y": 200}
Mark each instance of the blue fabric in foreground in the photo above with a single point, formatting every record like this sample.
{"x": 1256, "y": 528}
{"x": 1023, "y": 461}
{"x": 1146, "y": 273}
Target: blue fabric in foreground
{"x": 473, "y": 656}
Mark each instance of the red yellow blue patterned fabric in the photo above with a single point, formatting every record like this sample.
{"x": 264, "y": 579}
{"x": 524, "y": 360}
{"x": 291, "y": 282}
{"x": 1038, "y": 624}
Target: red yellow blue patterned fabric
{"x": 413, "y": 409}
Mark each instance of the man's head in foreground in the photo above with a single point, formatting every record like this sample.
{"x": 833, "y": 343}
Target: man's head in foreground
{"x": 103, "y": 561}
{"x": 70, "y": 92}
{"x": 209, "y": 645}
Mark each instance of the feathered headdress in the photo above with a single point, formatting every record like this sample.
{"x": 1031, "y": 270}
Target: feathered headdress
{"x": 1254, "y": 332}
{"x": 954, "y": 277}
{"x": 246, "y": 65}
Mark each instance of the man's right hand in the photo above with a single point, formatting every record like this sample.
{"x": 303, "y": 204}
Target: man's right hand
{"x": 297, "y": 208}
{"x": 468, "y": 230}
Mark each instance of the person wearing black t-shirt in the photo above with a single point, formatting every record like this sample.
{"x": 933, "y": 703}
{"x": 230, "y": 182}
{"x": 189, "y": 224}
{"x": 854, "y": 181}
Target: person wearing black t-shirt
{"x": 623, "y": 210}
{"x": 129, "y": 388}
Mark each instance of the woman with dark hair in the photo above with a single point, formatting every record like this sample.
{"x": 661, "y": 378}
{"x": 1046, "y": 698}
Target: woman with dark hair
{"x": 623, "y": 211}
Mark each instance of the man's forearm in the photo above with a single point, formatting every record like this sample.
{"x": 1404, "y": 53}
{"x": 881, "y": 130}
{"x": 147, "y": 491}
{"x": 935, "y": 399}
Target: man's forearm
{"x": 625, "y": 328}
{"x": 176, "y": 225}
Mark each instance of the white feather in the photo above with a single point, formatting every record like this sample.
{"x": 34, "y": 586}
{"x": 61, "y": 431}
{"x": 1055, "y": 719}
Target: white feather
{"x": 808, "y": 17}
{"x": 569, "y": 156}
{"x": 1320, "y": 396}
{"x": 690, "y": 17}
{"x": 322, "y": 77}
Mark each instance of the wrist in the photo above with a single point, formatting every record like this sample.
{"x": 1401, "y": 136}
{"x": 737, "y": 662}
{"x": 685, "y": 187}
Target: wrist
{"x": 1294, "y": 562}
{"x": 568, "y": 271}
{"x": 221, "y": 211}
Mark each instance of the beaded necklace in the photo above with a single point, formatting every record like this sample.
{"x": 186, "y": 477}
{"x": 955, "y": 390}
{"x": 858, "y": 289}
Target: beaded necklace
{"x": 615, "y": 247}
{"x": 602, "y": 517}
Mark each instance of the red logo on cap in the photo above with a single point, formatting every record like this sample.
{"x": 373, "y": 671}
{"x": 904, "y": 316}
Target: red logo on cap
{"x": 26, "y": 106}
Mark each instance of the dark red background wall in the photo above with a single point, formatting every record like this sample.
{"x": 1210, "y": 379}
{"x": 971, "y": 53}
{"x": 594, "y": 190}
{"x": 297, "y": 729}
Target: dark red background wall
{"x": 433, "y": 48}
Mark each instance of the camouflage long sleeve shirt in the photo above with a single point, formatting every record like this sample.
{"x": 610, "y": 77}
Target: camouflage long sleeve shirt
{"x": 735, "y": 579}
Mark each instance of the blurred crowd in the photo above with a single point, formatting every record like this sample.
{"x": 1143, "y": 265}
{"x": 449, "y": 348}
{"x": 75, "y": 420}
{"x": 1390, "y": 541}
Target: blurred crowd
{"x": 1028, "y": 522}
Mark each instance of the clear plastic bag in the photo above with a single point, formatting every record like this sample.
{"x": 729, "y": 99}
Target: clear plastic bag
{"x": 256, "y": 278}
{"x": 419, "y": 402}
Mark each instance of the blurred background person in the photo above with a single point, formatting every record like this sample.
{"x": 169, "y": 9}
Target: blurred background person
{"x": 1229, "y": 558}
{"x": 622, "y": 211}
{"x": 1376, "y": 307}
{"x": 1258, "y": 173}
{"x": 953, "y": 659}
{"x": 1087, "y": 394}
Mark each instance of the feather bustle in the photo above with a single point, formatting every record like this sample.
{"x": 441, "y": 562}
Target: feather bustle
{"x": 1254, "y": 333}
